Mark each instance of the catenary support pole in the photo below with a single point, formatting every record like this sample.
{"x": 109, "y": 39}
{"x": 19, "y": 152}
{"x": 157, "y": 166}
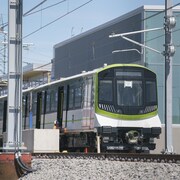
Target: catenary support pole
{"x": 14, "y": 109}
{"x": 169, "y": 52}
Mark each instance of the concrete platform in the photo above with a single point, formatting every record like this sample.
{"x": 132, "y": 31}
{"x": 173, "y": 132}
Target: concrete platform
{"x": 41, "y": 140}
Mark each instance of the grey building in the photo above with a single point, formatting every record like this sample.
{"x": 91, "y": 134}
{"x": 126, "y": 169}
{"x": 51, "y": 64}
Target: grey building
{"x": 93, "y": 48}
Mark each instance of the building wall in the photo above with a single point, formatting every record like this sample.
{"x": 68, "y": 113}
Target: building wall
{"x": 94, "y": 48}
{"x": 156, "y": 61}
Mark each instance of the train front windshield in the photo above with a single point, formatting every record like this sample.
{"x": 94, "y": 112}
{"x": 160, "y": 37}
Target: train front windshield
{"x": 127, "y": 90}
{"x": 129, "y": 93}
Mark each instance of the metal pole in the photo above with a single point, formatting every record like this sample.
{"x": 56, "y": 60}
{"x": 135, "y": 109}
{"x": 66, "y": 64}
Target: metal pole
{"x": 123, "y": 35}
{"x": 14, "y": 110}
{"x": 169, "y": 52}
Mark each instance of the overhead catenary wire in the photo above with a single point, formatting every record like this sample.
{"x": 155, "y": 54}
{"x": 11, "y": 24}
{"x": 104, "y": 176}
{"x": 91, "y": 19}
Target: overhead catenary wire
{"x": 69, "y": 12}
{"x": 151, "y": 16}
{"x": 6, "y": 24}
{"x": 78, "y": 8}
{"x": 44, "y": 8}
{"x": 25, "y": 14}
{"x": 75, "y": 9}
{"x": 146, "y": 18}
{"x": 160, "y": 12}
{"x": 100, "y": 37}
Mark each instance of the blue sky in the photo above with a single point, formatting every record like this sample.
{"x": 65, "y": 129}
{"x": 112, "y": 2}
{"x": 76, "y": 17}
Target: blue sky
{"x": 87, "y": 17}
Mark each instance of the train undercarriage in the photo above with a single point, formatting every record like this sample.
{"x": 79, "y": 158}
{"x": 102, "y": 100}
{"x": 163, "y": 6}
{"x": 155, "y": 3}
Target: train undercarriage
{"x": 110, "y": 139}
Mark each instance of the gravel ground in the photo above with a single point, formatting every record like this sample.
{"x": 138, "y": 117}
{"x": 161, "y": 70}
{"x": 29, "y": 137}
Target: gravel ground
{"x": 84, "y": 169}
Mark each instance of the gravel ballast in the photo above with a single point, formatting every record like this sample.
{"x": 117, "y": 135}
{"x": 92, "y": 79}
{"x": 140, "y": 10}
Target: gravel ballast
{"x": 84, "y": 169}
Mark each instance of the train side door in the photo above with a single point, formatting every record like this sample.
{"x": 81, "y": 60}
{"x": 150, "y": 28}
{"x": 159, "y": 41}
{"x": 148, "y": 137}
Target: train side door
{"x": 60, "y": 105}
{"x": 25, "y": 110}
{"x": 38, "y": 110}
{"x": 4, "y": 115}
{"x": 44, "y": 99}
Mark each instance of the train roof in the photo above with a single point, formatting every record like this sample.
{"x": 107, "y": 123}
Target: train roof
{"x": 83, "y": 74}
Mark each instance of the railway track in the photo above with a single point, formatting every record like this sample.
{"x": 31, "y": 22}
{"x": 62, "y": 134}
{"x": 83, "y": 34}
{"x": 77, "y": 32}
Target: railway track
{"x": 129, "y": 157}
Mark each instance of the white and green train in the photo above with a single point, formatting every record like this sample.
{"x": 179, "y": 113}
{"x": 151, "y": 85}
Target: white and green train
{"x": 113, "y": 108}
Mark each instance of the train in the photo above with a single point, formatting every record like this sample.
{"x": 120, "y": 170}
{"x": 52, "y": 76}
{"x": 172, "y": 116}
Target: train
{"x": 110, "y": 109}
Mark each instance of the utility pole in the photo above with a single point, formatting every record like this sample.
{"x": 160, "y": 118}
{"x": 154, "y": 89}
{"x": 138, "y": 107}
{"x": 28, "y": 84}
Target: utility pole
{"x": 14, "y": 108}
{"x": 169, "y": 52}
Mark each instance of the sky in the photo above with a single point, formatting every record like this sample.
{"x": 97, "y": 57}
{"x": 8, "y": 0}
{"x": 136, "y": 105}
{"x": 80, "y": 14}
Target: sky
{"x": 74, "y": 17}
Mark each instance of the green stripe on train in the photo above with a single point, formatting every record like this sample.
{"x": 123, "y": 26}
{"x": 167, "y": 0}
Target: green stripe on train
{"x": 125, "y": 117}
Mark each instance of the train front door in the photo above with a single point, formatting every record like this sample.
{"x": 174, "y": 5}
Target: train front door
{"x": 60, "y": 105}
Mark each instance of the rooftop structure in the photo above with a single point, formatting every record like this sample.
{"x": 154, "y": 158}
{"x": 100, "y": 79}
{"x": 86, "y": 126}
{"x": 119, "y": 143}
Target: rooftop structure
{"x": 33, "y": 75}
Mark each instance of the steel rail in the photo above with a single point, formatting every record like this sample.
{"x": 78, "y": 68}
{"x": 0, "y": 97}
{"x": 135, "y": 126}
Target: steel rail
{"x": 129, "y": 157}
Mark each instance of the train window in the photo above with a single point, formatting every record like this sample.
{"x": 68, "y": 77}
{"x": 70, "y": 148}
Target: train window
{"x": 107, "y": 73}
{"x": 34, "y": 103}
{"x": 48, "y": 102}
{"x": 78, "y": 97}
{"x": 1, "y": 110}
{"x": 65, "y": 98}
{"x": 75, "y": 95}
{"x": 53, "y": 100}
{"x": 151, "y": 95}
{"x": 128, "y": 73}
{"x": 129, "y": 93}
{"x": 43, "y": 104}
{"x": 71, "y": 97}
{"x": 105, "y": 90}
{"x": 56, "y": 99}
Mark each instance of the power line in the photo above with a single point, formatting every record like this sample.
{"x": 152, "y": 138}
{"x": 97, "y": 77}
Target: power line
{"x": 5, "y": 24}
{"x": 25, "y": 14}
{"x": 149, "y": 17}
{"x": 161, "y": 36}
{"x": 138, "y": 21}
{"x": 57, "y": 19}
{"x": 44, "y": 8}
{"x": 160, "y": 12}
